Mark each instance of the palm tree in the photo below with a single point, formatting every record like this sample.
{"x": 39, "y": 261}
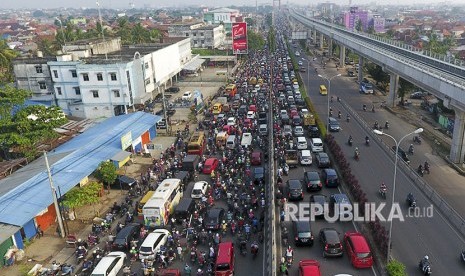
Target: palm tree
{"x": 124, "y": 30}
{"x": 6, "y": 56}
{"x": 139, "y": 34}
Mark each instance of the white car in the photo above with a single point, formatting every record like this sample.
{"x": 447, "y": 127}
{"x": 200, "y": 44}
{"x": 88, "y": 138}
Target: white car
{"x": 199, "y": 190}
{"x": 298, "y": 131}
{"x": 300, "y": 63}
{"x": 231, "y": 121}
{"x": 111, "y": 264}
{"x": 316, "y": 145}
{"x": 297, "y": 53}
{"x": 152, "y": 243}
{"x": 186, "y": 96}
{"x": 305, "y": 157}
{"x": 303, "y": 112}
{"x": 301, "y": 143}
{"x": 282, "y": 112}
{"x": 250, "y": 115}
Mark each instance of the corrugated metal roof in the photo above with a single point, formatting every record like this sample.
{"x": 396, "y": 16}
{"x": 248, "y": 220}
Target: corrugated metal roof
{"x": 30, "y": 191}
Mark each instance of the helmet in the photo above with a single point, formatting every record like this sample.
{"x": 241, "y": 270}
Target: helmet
{"x": 80, "y": 247}
{"x": 426, "y": 257}
{"x": 224, "y": 221}
{"x": 133, "y": 248}
{"x": 79, "y": 240}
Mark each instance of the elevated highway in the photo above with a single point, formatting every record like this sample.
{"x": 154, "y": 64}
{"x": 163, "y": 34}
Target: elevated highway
{"x": 444, "y": 78}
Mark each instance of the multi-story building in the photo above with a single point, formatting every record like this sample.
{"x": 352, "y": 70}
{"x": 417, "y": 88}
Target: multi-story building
{"x": 352, "y": 18}
{"x": 90, "y": 85}
{"x": 202, "y": 36}
{"x": 224, "y": 16}
{"x": 183, "y": 30}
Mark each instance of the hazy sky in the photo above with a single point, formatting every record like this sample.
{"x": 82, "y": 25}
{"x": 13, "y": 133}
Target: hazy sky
{"x": 164, "y": 3}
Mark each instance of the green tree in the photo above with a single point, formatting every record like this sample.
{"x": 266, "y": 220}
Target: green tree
{"x": 378, "y": 74}
{"x": 124, "y": 30}
{"x": 139, "y": 34}
{"x": 82, "y": 196}
{"x": 272, "y": 40}
{"x": 6, "y": 57}
{"x": 358, "y": 25}
{"x": 255, "y": 40}
{"x": 396, "y": 268}
{"x": 48, "y": 47}
{"x": 405, "y": 87}
{"x": 250, "y": 22}
{"x": 107, "y": 173}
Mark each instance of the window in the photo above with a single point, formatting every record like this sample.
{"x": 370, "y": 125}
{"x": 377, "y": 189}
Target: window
{"x": 73, "y": 73}
{"x": 113, "y": 76}
{"x": 55, "y": 73}
{"x": 42, "y": 85}
{"x": 59, "y": 90}
{"x": 94, "y": 93}
{"x": 187, "y": 34}
{"x": 116, "y": 93}
{"x": 85, "y": 77}
{"x": 147, "y": 81}
{"x": 39, "y": 68}
{"x": 77, "y": 90}
{"x": 195, "y": 34}
{"x": 202, "y": 41}
{"x": 201, "y": 34}
{"x": 146, "y": 65}
{"x": 99, "y": 77}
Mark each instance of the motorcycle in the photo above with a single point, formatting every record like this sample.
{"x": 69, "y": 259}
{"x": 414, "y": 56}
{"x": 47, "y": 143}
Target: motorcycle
{"x": 386, "y": 125}
{"x": 421, "y": 171}
{"x": 243, "y": 247}
{"x": 254, "y": 249}
{"x": 80, "y": 254}
{"x": 462, "y": 255}
{"x": 87, "y": 267}
{"x": 339, "y": 115}
{"x": 367, "y": 141}
{"x": 289, "y": 260}
{"x": 357, "y": 156}
{"x": 426, "y": 168}
{"x": 382, "y": 192}
{"x": 350, "y": 142}
{"x": 425, "y": 267}
{"x": 348, "y": 118}
{"x": 417, "y": 139}
{"x": 410, "y": 150}
{"x": 411, "y": 201}
{"x": 364, "y": 107}
{"x": 66, "y": 270}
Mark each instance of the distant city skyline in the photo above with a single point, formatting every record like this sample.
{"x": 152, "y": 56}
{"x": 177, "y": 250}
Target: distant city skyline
{"x": 124, "y": 4}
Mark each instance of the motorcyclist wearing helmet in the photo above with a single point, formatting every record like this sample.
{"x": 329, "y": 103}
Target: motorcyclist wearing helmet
{"x": 289, "y": 252}
{"x": 383, "y": 187}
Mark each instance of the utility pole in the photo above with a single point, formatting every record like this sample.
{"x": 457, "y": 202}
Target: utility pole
{"x": 54, "y": 195}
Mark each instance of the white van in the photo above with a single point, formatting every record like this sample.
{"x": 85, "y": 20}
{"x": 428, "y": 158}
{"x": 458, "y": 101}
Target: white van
{"x": 316, "y": 144}
{"x": 110, "y": 265}
{"x": 305, "y": 157}
{"x": 152, "y": 243}
{"x": 302, "y": 143}
{"x": 246, "y": 140}
{"x": 231, "y": 142}
{"x": 263, "y": 129}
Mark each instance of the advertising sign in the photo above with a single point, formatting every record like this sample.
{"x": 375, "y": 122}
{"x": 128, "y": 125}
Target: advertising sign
{"x": 239, "y": 38}
{"x": 126, "y": 140}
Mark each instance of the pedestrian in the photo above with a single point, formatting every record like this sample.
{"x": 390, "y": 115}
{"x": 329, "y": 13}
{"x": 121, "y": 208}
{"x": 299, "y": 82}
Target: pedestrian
{"x": 180, "y": 253}
{"x": 40, "y": 233}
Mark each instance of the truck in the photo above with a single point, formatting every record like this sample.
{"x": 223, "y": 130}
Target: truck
{"x": 291, "y": 157}
{"x": 246, "y": 139}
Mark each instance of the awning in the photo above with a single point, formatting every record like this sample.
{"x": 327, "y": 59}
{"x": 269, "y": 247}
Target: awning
{"x": 7, "y": 230}
{"x": 126, "y": 180}
{"x": 120, "y": 156}
{"x": 194, "y": 64}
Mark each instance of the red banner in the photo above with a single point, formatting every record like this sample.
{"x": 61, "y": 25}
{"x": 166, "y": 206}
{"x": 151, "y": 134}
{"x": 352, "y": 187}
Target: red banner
{"x": 239, "y": 38}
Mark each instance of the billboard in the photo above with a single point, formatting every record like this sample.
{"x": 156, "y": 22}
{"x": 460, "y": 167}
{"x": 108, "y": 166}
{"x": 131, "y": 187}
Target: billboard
{"x": 239, "y": 38}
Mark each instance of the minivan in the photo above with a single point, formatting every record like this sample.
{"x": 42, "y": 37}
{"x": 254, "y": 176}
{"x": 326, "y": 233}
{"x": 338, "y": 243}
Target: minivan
{"x": 316, "y": 145}
{"x": 184, "y": 209}
{"x": 231, "y": 142}
{"x": 303, "y": 232}
{"x": 329, "y": 177}
{"x": 125, "y": 236}
{"x": 152, "y": 244}
{"x": 301, "y": 143}
{"x": 339, "y": 203}
{"x": 333, "y": 124}
{"x": 225, "y": 259}
{"x": 305, "y": 157}
{"x": 294, "y": 187}
{"x": 110, "y": 265}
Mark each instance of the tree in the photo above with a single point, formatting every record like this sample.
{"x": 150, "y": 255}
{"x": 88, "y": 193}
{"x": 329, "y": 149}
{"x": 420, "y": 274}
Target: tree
{"x": 107, "y": 173}
{"x": 405, "y": 87}
{"x": 272, "y": 40}
{"x": 255, "y": 40}
{"x": 139, "y": 34}
{"x": 48, "y": 47}
{"x": 250, "y": 21}
{"x": 6, "y": 56}
{"x": 124, "y": 30}
{"x": 358, "y": 25}
{"x": 82, "y": 196}
{"x": 396, "y": 268}
{"x": 378, "y": 74}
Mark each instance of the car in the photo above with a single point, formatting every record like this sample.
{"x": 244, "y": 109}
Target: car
{"x": 161, "y": 124}
{"x": 231, "y": 121}
{"x": 263, "y": 129}
{"x": 305, "y": 157}
{"x": 200, "y": 189}
{"x": 313, "y": 131}
{"x": 297, "y": 53}
{"x": 303, "y": 234}
{"x": 301, "y": 143}
{"x": 294, "y": 187}
{"x": 287, "y": 130}
{"x": 300, "y": 62}
{"x": 358, "y": 250}
{"x": 333, "y": 125}
{"x": 322, "y": 160}
{"x": 256, "y": 159}
{"x": 316, "y": 144}
{"x": 250, "y": 115}
{"x": 236, "y": 104}
{"x": 309, "y": 268}
{"x": 220, "y": 117}
{"x": 210, "y": 165}
{"x": 172, "y": 89}
{"x": 329, "y": 178}
{"x": 298, "y": 131}
{"x": 296, "y": 120}
{"x": 186, "y": 96}
{"x": 262, "y": 118}
{"x": 402, "y": 154}
{"x": 258, "y": 174}
{"x": 213, "y": 218}
{"x": 417, "y": 95}
{"x": 332, "y": 246}
{"x": 282, "y": 112}
{"x": 312, "y": 181}
{"x": 321, "y": 201}
{"x": 111, "y": 264}
{"x": 152, "y": 244}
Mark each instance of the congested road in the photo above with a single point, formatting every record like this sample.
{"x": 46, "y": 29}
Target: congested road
{"x": 416, "y": 236}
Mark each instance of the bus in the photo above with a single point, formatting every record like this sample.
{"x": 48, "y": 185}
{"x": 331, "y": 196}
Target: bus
{"x": 144, "y": 200}
{"x": 196, "y": 143}
{"x": 161, "y": 205}
{"x": 231, "y": 90}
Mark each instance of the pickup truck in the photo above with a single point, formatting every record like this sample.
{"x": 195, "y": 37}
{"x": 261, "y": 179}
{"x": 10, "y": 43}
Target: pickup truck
{"x": 291, "y": 157}
{"x": 246, "y": 140}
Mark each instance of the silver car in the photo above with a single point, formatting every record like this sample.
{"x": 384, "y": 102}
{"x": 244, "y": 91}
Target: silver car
{"x": 287, "y": 130}
{"x": 298, "y": 131}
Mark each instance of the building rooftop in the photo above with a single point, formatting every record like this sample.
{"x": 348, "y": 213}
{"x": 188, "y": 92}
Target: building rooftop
{"x": 33, "y": 60}
{"x": 208, "y": 27}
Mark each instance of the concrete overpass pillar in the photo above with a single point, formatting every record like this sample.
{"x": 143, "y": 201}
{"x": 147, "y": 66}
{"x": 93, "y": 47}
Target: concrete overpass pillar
{"x": 393, "y": 87}
{"x": 360, "y": 71}
{"x": 330, "y": 47}
{"x": 314, "y": 36}
{"x": 457, "y": 149}
{"x": 322, "y": 40}
{"x": 342, "y": 55}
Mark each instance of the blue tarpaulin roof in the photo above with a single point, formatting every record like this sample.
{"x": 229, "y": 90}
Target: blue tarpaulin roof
{"x": 82, "y": 155}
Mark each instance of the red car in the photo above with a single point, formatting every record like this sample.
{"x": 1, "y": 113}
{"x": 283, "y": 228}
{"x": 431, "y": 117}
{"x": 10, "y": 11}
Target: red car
{"x": 309, "y": 268}
{"x": 229, "y": 129}
{"x": 210, "y": 165}
{"x": 248, "y": 123}
{"x": 256, "y": 158}
{"x": 358, "y": 250}
{"x": 253, "y": 108}
{"x": 170, "y": 272}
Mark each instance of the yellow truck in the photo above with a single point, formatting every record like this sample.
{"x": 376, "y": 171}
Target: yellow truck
{"x": 309, "y": 120}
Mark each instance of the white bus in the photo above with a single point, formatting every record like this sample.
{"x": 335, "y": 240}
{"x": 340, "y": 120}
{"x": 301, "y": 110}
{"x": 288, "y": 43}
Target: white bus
{"x": 167, "y": 196}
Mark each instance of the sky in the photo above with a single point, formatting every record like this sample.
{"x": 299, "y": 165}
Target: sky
{"x": 6, "y": 4}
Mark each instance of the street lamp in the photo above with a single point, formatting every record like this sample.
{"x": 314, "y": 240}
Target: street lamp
{"x": 329, "y": 91}
{"x": 419, "y": 130}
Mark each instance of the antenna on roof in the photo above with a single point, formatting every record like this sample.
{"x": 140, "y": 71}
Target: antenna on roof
{"x": 101, "y": 25}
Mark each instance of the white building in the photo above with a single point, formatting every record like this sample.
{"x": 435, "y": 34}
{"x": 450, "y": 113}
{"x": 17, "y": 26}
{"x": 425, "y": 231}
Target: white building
{"x": 87, "y": 85}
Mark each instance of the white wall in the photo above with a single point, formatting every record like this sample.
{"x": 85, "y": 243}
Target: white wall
{"x": 165, "y": 62}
